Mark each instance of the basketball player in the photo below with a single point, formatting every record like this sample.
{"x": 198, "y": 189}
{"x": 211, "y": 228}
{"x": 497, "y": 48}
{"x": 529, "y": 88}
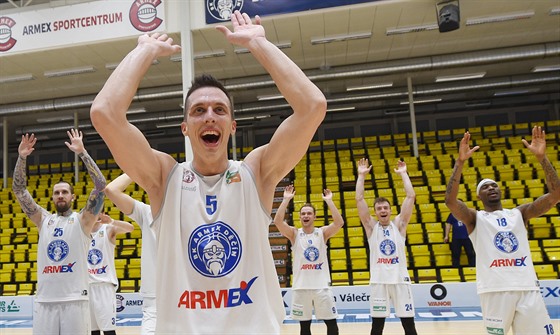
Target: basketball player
{"x": 389, "y": 279}
{"x": 61, "y": 303}
{"x": 507, "y": 285}
{"x": 215, "y": 271}
{"x": 312, "y": 278}
{"x": 141, "y": 213}
{"x": 103, "y": 280}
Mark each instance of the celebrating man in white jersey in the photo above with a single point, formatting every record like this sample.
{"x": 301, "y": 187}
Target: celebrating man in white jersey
{"x": 61, "y": 303}
{"x": 312, "y": 278}
{"x": 506, "y": 282}
{"x": 103, "y": 281}
{"x": 142, "y": 214}
{"x": 215, "y": 271}
{"x": 389, "y": 279}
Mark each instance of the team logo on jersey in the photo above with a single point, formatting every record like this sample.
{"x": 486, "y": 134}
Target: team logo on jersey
{"x": 506, "y": 242}
{"x": 143, "y": 15}
{"x": 222, "y": 9}
{"x": 311, "y": 253}
{"x": 233, "y": 177}
{"x": 387, "y": 247}
{"x": 6, "y": 40}
{"x": 214, "y": 249}
{"x": 188, "y": 176}
{"x": 95, "y": 256}
{"x": 57, "y": 250}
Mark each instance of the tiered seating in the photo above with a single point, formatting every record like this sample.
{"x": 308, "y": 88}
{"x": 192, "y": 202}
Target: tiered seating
{"x": 331, "y": 164}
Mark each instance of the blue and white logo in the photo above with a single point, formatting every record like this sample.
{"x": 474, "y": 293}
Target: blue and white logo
{"x": 311, "y": 254}
{"x": 95, "y": 256}
{"x": 57, "y": 250}
{"x": 223, "y": 9}
{"x": 214, "y": 249}
{"x": 387, "y": 247}
{"x": 506, "y": 242}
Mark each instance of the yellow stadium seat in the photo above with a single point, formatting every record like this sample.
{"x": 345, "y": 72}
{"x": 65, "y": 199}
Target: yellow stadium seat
{"x": 360, "y": 278}
{"x": 469, "y": 273}
{"x": 545, "y": 271}
{"x": 339, "y": 278}
{"x": 450, "y": 275}
{"x": 427, "y": 276}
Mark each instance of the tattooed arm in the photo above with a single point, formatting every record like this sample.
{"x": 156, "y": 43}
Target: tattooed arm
{"x": 457, "y": 207}
{"x": 94, "y": 204}
{"x": 545, "y": 202}
{"x": 19, "y": 184}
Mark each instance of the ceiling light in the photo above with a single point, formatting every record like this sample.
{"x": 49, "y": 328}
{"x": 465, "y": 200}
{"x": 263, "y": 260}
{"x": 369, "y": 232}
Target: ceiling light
{"x": 341, "y": 109}
{"x": 500, "y": 18}
{"x": 203, "y": 55}
{"x": 284, "y": 45}
{"x": 176, "y": 58}
{"x": 112, "y": 66}
{"x": 478, "y": 104}
{"x": 513, "y": 92}
{"x": 55, "y": 119}
{"x": 168, "y": 125}
{"x": 440, "y": 79}
{"x": 136, "y": 111}
{"x": 69, "y": 72}
{"x": 411, "y": 29}
{"x": 252, "y": 118}
{"x": 425, "y": 101}
{"x": 546, "y": 68}
{"x": 270, "y": 97}
{"x": 340, "y": 38}
{"x": 20, "y": 77}
{"x": 396, "y": 112}
{"x": 554, "y": 11}
{"x": 368, "y": 87}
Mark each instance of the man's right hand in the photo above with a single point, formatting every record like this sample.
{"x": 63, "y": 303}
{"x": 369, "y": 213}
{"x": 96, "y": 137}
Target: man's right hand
{"x": 26, "y": 146}
{"x": 363, "y": 166}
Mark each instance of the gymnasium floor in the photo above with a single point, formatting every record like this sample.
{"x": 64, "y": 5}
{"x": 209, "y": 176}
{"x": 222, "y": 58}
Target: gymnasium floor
{"x": 454, "y": 321}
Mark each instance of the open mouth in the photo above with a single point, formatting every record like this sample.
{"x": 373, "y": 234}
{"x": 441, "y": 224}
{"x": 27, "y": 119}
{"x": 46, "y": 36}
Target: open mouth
{"x": 211, "y": 137}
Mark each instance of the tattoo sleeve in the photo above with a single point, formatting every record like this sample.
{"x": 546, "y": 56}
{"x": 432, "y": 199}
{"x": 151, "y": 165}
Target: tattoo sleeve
{"x": 96, "y": 197}
{"x": 551, "y": 176}
{"x": 19, "y": 187}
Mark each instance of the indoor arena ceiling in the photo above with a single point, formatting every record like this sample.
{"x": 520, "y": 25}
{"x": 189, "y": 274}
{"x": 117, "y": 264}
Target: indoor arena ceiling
{"x": 506, "y": 42}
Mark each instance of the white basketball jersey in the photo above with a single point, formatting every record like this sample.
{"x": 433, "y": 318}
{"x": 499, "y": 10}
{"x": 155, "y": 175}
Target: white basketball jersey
{"x": 311, "y": 265}
{"x": 142, "y": 214}
{"x": 62, "y": 273}
{"x": 387, "y": 256}
{"x": 503, "y": 256}
{"x": 215, "y": 270}
{"x": 101, "y": 258}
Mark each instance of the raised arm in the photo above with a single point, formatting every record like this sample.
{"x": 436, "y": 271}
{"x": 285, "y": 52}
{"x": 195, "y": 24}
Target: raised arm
{"x": 272, "y": 162}
{"x": 333, "y": 228}
{"x": 115, "y": 227}
{"x": 115, "y": 192}
{"x": 545, "y": 202}
{"x": 458, "y": 208}
{"x": 19, "y": 183}
{"x": 407, "y": 206}
{"x": 129, "y": 147}
{"x": 363, "y": 209}
{"x": 283, "y": 227}
{"x": 94, "y": 203}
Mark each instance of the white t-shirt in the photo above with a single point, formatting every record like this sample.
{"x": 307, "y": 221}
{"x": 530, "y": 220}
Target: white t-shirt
{"x": 142, "y": 214}
{"x": 311, "y": 265}
{"x": 503, "y": 255}
{"x": 62, "y": 272}
{"x": 101, "y": 258}
{"x": 387, "y": 256}
{"x": 215, "y": 271}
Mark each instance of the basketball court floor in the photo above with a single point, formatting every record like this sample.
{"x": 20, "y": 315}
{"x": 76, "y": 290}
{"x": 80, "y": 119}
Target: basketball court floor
{"x": 454, "y": 321}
